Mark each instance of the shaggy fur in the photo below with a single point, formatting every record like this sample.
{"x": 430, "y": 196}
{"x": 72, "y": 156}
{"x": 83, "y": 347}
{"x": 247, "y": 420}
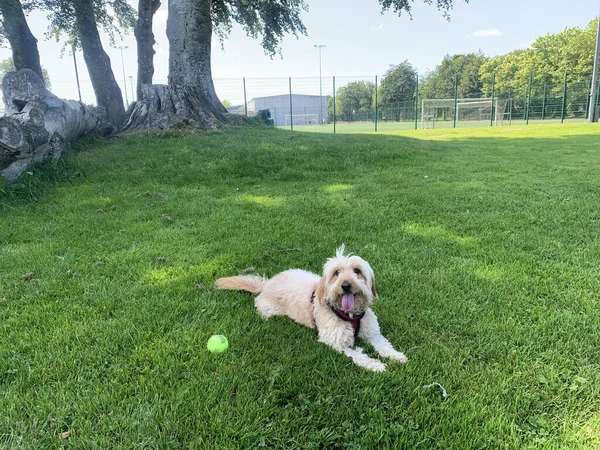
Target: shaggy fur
{"x": 347, "y": 283}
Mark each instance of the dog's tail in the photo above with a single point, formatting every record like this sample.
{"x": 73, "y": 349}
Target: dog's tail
{"x": 250, "y": 283}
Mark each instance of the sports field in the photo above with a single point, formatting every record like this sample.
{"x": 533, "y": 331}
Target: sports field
{"x": 485, "y": 244}
{"x": 369, "y": 127}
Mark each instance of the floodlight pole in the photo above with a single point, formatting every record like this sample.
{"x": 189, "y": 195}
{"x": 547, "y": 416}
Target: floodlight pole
{"x": 592, "y": 117}
{"x": 132, "y": 91}
{"x": 76, "y": 73}
{"x": 121, "y": 47}
{"x": 320, "y": 46}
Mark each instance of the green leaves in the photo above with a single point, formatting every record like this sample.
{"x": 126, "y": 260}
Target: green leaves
{"x": 399, "y": 84}
{"x": 440, "y": 82}
{"x": 551, "y": 56}
{"x": 354, "y": 97}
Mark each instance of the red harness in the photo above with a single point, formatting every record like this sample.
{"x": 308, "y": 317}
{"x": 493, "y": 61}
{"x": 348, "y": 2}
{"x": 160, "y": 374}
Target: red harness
{"x": 354, "y": 319}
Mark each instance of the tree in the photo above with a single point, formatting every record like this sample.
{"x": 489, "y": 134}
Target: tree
{"x": 570, "y": 51}
{"x": 190, "y": 98}
{"x": 354, "y": 97}
{"x": 439, "y": 83}
{"x": 399, "y": 84}
{"x": 145, "y": 42}
{"x": 8, "y": 66}
{"x": 22, "y": 42}
{"x": 80, "y": 20}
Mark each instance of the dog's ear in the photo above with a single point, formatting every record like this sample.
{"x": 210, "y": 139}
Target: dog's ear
{"x": 321, "y": 290}
{"x": 373, "y": 290}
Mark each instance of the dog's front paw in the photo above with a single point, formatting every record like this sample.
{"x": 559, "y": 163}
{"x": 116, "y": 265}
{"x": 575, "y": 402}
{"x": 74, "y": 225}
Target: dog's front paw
{"x": 375, "y": 366}
{"x": 400, "y": 357}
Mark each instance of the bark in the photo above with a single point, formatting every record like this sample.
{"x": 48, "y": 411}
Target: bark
{"x": 189, "y": 30}
{"x": 145, "y": 42}
{"x": 190, "y": 99}
{"x": 22, "y": 42}
{"x": 164, "y": 107}
{"x": 108, "y": 93}
{"x": 37, "y": 124}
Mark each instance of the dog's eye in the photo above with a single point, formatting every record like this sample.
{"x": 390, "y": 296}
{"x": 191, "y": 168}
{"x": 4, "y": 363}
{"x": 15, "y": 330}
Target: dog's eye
{"x": 336, "y": 273}
{"x": 357, "y": 271}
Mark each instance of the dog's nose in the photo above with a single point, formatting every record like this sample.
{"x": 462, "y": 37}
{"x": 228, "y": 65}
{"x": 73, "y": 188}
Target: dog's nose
{"x": 346, "y": 286}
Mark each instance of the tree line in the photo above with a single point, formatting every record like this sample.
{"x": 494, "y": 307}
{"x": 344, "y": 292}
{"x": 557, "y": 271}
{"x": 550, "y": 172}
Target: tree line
{"x": 549, "y": 58}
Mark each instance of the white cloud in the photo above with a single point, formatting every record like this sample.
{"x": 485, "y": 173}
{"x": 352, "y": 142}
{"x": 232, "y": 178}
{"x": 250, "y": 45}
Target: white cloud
{"x": 487, "y": 33}
{"x": 377, "y": 28}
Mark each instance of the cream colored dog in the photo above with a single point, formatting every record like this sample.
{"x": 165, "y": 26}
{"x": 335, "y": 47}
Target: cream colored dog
{"x": 337, "y": 304}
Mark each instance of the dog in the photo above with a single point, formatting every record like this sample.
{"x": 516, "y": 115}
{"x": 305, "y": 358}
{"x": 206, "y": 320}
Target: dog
{"x": 337, "y": 304}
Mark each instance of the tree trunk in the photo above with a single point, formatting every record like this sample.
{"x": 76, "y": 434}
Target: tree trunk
{"x": 190, "y": 99}
{"x": 22, "y": 42}
{"x": 37, "y": 124}
{"x": 145, "y": 42}
{"x": 189, "y": 30}
{"x": 108, "y": 93}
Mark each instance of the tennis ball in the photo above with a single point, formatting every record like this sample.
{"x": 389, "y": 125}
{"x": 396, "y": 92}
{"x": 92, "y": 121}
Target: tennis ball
{"x": 217, "y": 343}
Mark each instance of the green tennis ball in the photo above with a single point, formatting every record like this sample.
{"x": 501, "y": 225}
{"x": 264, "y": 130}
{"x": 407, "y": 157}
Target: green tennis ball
{"x": 217, "y": 344}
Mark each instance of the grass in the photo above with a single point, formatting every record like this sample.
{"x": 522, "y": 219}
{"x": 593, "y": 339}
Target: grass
{"x": 485, "y": 243}
{"x": 386, "y": 127}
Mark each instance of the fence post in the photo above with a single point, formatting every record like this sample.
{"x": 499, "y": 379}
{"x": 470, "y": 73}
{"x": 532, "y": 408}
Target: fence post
{"x": 564, "y": 102}
{"x": 528, "y": 99}
{"x": 291, "y": 113}
{"x": 493, "y": 93}
{"x": 245, "y": 102}
{"x": 375, "y": 103}
{"x": 417, "y": 103}
{"x": 455, "y": 98}
{"x": 544, "y": 104}
{"x": 334, "y": 104}
{"x": 588, "y": 100}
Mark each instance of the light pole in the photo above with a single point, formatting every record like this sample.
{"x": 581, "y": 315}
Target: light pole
{"x": 123, "y": 47}
{"x": 132, "y": 91}
{"x": 592, "y": 113}
{"x": 76, "y": 73}
{"x": 320, "y": 46}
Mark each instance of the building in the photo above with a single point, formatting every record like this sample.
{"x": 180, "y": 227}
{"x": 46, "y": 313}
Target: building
{"x": 307, "y": 109}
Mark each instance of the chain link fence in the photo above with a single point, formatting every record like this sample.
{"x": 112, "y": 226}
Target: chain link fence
{"x": 353, "y": 104}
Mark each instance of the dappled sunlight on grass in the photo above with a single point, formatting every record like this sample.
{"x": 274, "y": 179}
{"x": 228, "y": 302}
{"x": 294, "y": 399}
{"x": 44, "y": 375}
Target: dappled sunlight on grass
{"x": 491, "y": 273}
{"x": 261, "y": 200}
{"x": 162, "y": 276}
{"x": 436, "y": 232}
{"x": 338, "y": 187}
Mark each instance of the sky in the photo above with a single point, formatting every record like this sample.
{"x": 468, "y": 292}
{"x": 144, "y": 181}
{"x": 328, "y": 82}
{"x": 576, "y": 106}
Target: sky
{"x": 360, "y": 43}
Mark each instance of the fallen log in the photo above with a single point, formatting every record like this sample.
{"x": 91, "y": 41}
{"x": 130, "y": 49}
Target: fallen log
{"x": 37, "y": 124}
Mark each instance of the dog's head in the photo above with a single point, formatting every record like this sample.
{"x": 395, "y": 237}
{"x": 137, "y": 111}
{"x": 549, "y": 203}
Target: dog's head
{"x": 348, "y": 283}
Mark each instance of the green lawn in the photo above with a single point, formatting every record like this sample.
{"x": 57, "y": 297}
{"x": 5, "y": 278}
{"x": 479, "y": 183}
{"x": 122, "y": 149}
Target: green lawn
{"x": 485, "y": 244}
{"x": 383, "y": 126}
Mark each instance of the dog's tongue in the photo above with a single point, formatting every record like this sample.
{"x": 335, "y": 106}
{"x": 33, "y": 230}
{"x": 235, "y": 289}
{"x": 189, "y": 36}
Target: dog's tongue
{"x": 347, "y": 302}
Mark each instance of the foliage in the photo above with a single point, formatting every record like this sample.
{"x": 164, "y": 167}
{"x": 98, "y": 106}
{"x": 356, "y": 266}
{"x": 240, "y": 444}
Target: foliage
{"x": 399, "y": 6}
{"x": 570, "y": 51}
{"x": 268, "y": 20}
{"x": 439, "y": 83}
{"x": 8, "y": 66}
{"x": 226, "y": 103}
{"x": 354, "y": 97}
{"x": 112, "y": 16}
{"x": 398, "y": 84}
